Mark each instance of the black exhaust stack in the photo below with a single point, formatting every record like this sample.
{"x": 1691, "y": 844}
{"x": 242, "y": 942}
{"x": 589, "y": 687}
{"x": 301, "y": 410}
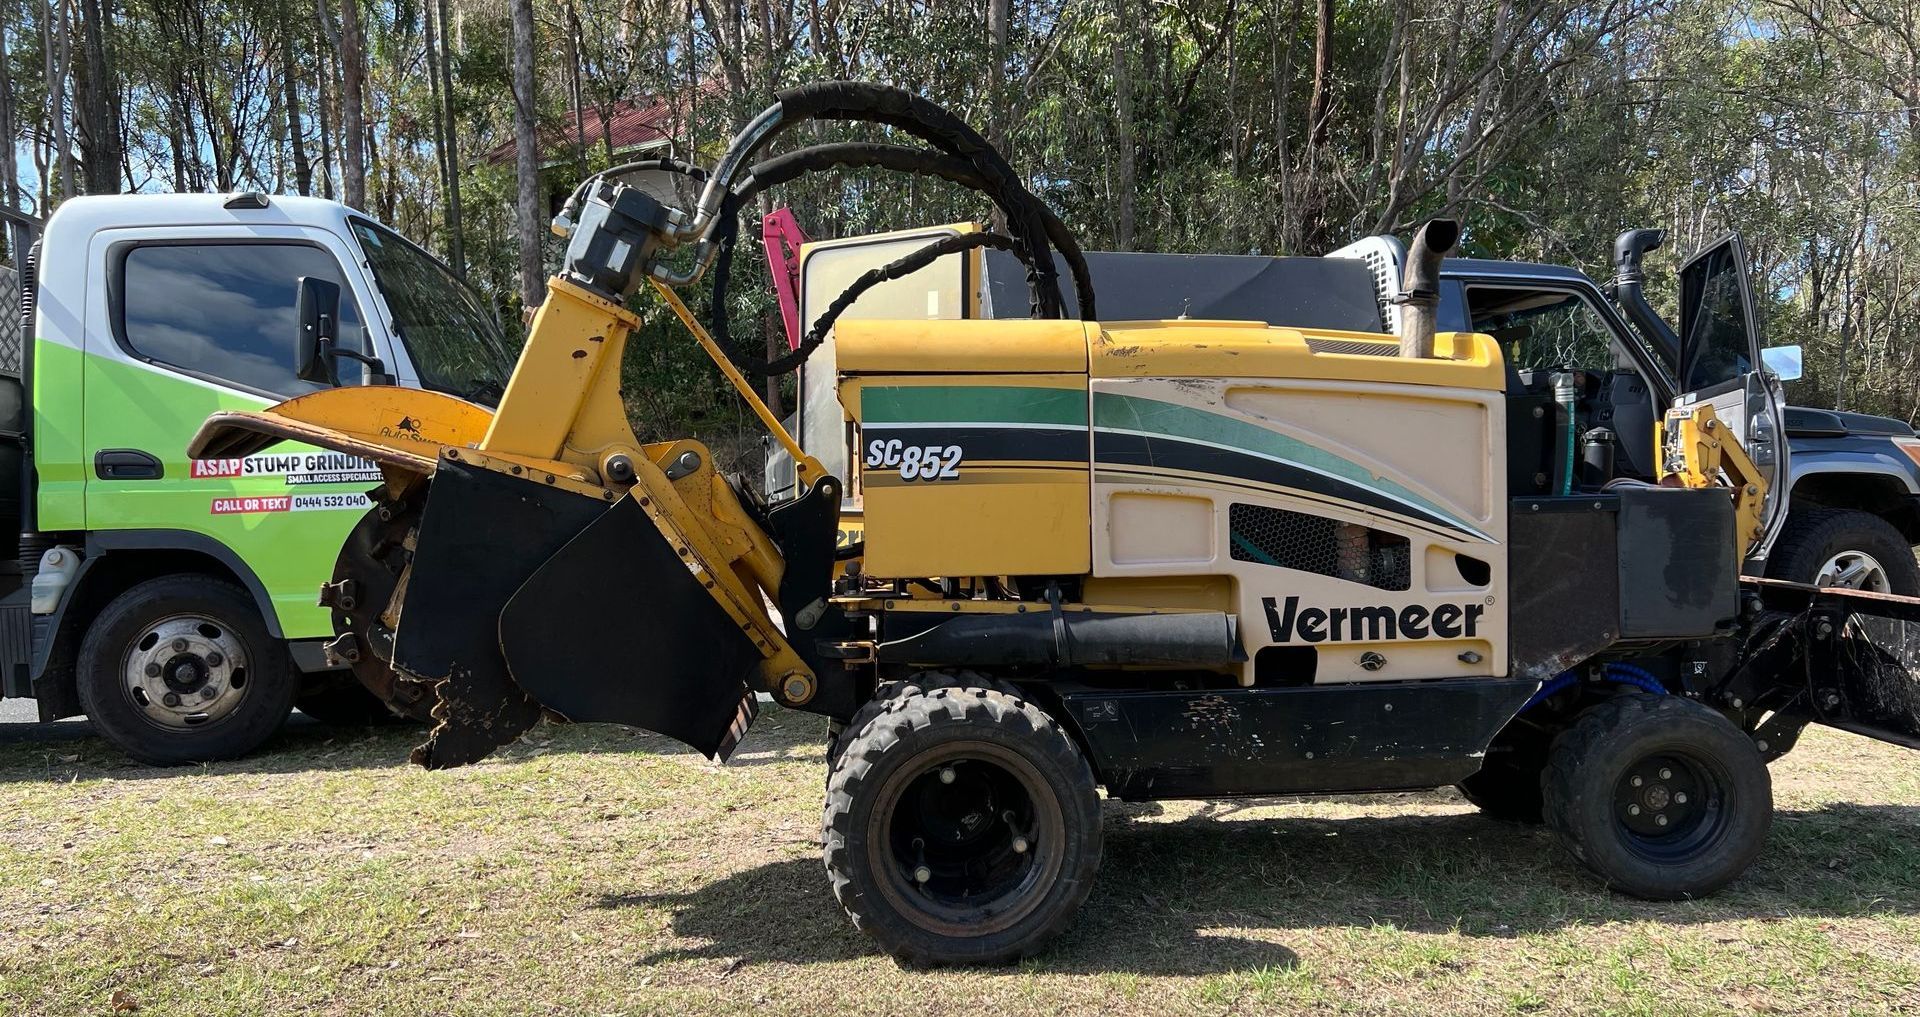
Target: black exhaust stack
{"x": 1419, "y": 298}
{"x": 1628, "y": 250}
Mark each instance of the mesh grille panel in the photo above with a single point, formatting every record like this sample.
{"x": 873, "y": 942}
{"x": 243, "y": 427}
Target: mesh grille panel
{"x": 1327, "y": 547}
{"x": 1353, "y": 347}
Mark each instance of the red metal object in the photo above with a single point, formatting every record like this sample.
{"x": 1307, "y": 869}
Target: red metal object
{"x": 781, "y": 234}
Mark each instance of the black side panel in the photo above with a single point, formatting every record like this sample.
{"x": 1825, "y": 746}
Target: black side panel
{"x": 1311, "y": 739}
{"x": 616, "y": 628}
{"x": 1561, "y": 572}
{"x": 1679, "y": 576}
{"x": 482, "y": 535}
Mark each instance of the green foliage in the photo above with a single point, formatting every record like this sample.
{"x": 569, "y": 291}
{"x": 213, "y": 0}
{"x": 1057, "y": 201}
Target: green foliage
{"x": 1547, "y": 127}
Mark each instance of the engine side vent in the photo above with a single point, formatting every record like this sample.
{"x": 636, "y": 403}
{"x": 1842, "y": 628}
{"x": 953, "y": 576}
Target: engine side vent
{"x": 1316, "y": 544}
{"x": 1353, "y": 347}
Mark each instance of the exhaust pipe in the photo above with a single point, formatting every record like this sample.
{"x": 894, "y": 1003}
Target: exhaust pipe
{"x": 1419, "y": 297}
{"x": 1628, "y": 249}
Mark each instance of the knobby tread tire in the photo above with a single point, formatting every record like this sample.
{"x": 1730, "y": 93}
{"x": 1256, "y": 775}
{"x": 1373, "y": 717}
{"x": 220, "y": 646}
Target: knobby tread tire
{"x": 917, "y": 714}
{"x": 1586, "y": 760}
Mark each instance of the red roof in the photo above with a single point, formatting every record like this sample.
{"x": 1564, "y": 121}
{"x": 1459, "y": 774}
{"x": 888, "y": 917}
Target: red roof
{"x": 631, "y": 123}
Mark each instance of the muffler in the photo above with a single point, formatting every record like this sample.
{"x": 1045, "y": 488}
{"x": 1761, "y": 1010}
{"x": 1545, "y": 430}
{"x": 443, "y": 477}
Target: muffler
{"x": 1419, "y": 298}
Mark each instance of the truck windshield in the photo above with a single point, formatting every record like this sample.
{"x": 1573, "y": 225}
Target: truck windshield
{"x": 455, "y": 344}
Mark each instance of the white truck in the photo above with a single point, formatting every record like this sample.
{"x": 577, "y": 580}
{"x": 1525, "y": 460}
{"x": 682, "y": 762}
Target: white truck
{"x": 170, "y": 600}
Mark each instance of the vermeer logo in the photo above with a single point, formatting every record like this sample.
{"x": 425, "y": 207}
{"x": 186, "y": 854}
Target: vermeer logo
{"x": 1370, "y": 624}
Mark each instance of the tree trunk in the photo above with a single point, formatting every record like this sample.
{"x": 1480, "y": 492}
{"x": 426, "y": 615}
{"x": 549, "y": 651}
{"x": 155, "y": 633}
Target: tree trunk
{"x": 9, "y": 169}
{"x": 290, "y": 84}
{"x": 1321, "y": 102}
{"x": 526, "y": 157}
{"x": 1124, "y": 184}
{"x": 59, "y": 55}
{"x": 353, "y": 107}
{"x": 456, "y": 243}
{"x": 102, "y": 123}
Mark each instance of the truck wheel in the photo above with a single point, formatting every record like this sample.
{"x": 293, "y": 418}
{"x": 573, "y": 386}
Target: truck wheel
{"x": 180, "y": 669}
{"x": 961, "y": 827}
{"x": 1504, "y": 792}
{"x": 1844, "y": 548}
{"x": 1661, "y": 797}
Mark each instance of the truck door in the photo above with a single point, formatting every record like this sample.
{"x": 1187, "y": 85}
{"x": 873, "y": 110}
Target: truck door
{"x": 1720, "y": 365}
{"x": 183, "y": 321}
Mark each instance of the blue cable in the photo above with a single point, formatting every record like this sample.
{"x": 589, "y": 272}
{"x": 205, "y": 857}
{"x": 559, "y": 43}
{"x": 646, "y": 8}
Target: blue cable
{"x": 1625, "y": 674}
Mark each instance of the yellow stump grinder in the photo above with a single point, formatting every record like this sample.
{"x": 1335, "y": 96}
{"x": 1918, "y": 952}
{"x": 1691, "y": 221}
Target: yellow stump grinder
{"x": 1168, "y": 558}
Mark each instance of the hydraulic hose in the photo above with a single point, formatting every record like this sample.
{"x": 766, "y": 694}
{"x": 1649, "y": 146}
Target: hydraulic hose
{"x": 1618, "y": 672}
{"x": 789, "y": 166}
{"x": 906, "y": 265}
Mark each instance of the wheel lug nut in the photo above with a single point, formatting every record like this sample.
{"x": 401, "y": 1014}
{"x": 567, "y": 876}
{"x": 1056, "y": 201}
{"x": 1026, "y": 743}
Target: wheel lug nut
{"x": 1666, "y": 774}
{"x": 1633, "y": 810}
{"x": 179, "y": 644}
{"x": 207, "y": 693}
{"x": 153, "y": 670}
{"x": 1019, "y": 845}
{"x": 215, "y": 660}
{"x": 921, "y": 873}
{"x": 947, "y": 776}
{"x": 1679, "y": 798}
{"x": 1659, "y": 820}
{"x": 1636, "y": 781}
{"x": 171, "y": 699}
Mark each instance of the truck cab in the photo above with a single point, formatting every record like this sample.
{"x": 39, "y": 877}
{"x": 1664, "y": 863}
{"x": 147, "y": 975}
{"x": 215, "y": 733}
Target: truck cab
{"x": 172, "y": 600}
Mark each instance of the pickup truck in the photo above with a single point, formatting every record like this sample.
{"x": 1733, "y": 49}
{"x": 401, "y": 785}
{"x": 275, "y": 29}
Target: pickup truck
{"x": 173, "y": 601}
{"x": 1854, "y": 479}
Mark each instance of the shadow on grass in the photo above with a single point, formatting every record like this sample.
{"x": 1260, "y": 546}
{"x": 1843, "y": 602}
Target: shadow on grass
{"x": 1180, "y": 898}
{"x": 68, "y": 750}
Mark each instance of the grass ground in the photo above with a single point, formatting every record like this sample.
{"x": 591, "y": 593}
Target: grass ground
{"x": 598, "y": 871}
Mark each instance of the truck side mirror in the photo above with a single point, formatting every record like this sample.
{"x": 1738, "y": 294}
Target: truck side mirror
{"x": 1785, "y": 362}
{"x": 318, "y": 309}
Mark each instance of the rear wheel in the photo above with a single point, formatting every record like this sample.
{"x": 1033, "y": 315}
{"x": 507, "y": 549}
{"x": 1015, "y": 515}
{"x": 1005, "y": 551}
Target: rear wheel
{"x": 1660, "y": 797}
{"x": 181, "y": 669}
{"x": 961, "y": 826}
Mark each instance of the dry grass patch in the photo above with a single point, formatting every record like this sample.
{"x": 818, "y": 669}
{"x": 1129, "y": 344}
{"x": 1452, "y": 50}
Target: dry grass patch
{"x": 595, "y": 870}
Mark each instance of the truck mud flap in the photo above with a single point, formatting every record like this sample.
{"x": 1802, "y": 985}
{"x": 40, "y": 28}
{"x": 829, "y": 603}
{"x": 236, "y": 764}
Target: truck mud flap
{"x": 1861, "y": 657}
{"x": 617, "y": 627}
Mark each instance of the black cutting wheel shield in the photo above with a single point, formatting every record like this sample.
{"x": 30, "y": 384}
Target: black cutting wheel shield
{"x": 481, "y": 535}
{"x": 618, "y": 627}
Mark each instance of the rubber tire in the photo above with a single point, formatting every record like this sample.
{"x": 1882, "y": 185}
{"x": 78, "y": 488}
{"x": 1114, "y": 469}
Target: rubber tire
{"x": 1589, "y": 758}
{"x": 270, "y": 677}
{"x": 1503, "y": 792}
{"x": 346, "y": 703}
{"x": 902, "y": 726}
{"x": 1814, "y": 534}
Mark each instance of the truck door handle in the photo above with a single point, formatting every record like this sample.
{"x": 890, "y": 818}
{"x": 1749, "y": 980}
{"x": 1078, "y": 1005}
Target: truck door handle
{"x": 127, "y": 464}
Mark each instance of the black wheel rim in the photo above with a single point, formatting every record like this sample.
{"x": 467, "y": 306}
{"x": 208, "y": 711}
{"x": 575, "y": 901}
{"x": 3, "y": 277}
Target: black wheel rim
{"x": 966, "y": 839}
{"x": 1671, "y": 806}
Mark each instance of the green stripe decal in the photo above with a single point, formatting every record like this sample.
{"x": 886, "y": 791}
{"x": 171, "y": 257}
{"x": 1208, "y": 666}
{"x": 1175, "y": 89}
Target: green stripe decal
{"x": 999, "y": 404}
{"x": 1152, "y": 416}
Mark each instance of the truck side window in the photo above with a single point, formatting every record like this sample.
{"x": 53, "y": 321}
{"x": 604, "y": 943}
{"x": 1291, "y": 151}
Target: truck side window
{"x": 225, "y": 311}
{"x": 1542, "y": 328}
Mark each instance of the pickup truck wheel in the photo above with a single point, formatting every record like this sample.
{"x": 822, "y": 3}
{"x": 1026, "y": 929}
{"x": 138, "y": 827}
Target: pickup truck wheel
{"x": 181, "y": 669}
{"x": 961, "y": 826}
{"x": 1847, "y": 549}
{"x": 1659, "y": 796}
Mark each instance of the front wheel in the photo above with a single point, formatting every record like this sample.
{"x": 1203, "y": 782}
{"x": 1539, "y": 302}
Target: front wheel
{"x": 961, "y": 826}
{"x": 181, "y": 669}
{"x": 1844, "y": 549}
{"x": 1660, "y": 797}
